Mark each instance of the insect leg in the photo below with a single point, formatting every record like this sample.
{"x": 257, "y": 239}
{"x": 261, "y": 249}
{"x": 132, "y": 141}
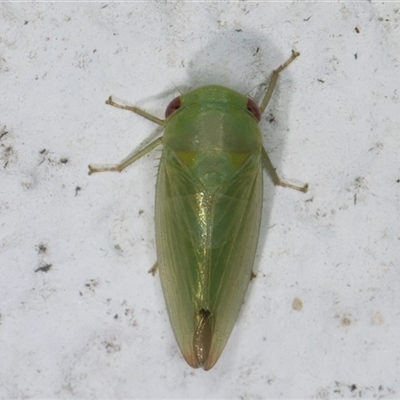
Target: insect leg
{"x": 275, "y": 177}
{"x": 153, "y": 269}
{"x": 267, "y": 97}
{"x": 132, "y": 157}
{"x": 274, "y": 78}
{"x": 136, "y": 110}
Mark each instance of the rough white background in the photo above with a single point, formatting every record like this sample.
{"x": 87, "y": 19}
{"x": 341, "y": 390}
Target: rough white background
{"x": 95, "y": 325}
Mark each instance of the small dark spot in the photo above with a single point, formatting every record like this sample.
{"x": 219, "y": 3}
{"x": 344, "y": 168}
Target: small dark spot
{"x": 63, "y": 160}
{"x": 116, "y": 316}
{"x": 357, "y": 29}
{"x": 320, "y": 80}
{"x": 346, "y": 321}
{"x": 94, "y": 51}
{"x": 42, "y": 151}
{"x": 238, "y": 30}
{"x": 26, "y": 22}
{"x": 355, "y": 56}
{"x": 45, "y": 268}
{"x": 270, "y": 118}
{"x": 42, "y": 248}
{"x": 3, "y": 134}
{"x": 257, "y": 50}
{"x": 92, "y": 283}
{"x": 353, "y": 387}
{"x": 80, "y": 294}
{"x": 398, "y": 181}
{"x": 355, "y": 199}
{"x": 77, "y": 189}
{"x": 307, "y": 19}
{"x": 111, "y": 346}
{"x": 141, "y": 212}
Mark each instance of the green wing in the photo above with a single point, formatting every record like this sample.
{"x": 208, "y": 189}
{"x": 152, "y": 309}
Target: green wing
{"x": 206, "y": 244}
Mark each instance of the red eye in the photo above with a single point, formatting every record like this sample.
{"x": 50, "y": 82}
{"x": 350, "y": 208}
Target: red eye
{"x": 253, "y": 108}
{"x": 173, "y": 106}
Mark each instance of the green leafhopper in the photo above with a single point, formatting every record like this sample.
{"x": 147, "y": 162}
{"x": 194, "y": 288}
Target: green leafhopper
{"x": 208, "y": 210}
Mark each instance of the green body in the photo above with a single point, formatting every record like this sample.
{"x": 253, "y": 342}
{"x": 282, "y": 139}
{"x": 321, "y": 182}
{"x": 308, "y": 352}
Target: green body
{"x": 208, "y": 211}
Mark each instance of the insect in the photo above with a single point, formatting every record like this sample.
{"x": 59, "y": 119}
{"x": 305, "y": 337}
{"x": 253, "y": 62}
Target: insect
{"x": 208, "y": 210}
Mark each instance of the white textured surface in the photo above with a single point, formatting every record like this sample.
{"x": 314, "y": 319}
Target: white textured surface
{"x": 95, "y": 324}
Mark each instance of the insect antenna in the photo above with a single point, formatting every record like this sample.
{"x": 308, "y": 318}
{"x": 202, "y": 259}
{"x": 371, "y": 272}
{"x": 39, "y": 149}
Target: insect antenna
{"x": 176, "y": 87}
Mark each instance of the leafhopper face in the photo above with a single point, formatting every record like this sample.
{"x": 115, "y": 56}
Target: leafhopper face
{"x": 208, "y": 210}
